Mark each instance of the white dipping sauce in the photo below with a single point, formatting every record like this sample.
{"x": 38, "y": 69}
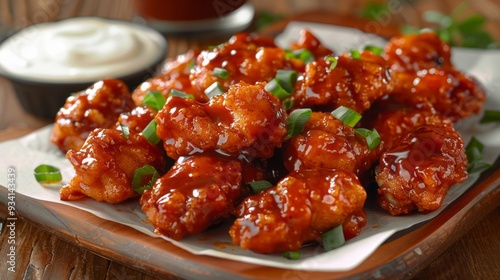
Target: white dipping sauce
{"x": 80, "y": 50}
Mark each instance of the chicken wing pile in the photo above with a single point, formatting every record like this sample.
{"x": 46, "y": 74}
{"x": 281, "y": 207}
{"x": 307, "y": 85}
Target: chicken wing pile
{"x": 219, "y": 127}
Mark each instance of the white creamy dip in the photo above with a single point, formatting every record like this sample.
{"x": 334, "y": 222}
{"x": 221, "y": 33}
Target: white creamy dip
{"x": 80, "y": 50}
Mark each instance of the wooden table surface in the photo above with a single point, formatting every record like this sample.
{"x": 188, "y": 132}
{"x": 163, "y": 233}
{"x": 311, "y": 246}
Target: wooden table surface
{"x": 475, "y": 255}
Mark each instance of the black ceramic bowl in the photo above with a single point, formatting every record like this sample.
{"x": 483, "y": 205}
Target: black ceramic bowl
{"x": 43, "y": 99}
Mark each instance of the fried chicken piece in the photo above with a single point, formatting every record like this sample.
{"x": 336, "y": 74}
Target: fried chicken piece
{"x": 106, "y": 163}
{"x": 197, "y": 192}
{"x": 424, "y": 77}
{"x": 326, "y": 142}
{"x": 174, "y": 75}
{"x": 417, "y": 172}
{"x": 246, "y": 121}
{"x": 245, "y": 57}
{"x": 393, "y": 123}
{"x": 297, "y": 210}
{"x": 99, "y": 106}
{"x": 137, "y": 119}
{"x": 449, "y": 92}
{"x": 354, "y": 82}
{"x": 308, "y": 41}
{"x": 415, "y": 52}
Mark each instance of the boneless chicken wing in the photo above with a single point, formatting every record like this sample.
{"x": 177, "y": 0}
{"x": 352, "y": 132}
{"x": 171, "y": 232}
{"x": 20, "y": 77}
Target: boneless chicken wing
{"x": 246, "y": 121}
{"x": 415, "y": 52}
{"x": 449, "y": 92}
{"x": 307, "y": 41}
{"x": 245, "y": 57}
{"x": 106, "y": 163}
{"x": 174, "y": 75}
{"x": 423, "y": 77}
{"x": 197, "y": 192}
{"x": 418, "y": 170}
{"x": 297, "y": 210}
{"x": 99, "y": 106}
{"x": 352, "y": 82}
{"x": 392, "y": 123}
{"x": 327, "y": 142}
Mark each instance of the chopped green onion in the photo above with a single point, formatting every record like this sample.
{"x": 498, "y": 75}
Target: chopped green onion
{"x": 355, "y": 54}
{"x": 178, "y": 93}
{"x": 291, "y": 255}
{"x": 154, "y": 99}
{"x": 474, "y": 152}
{"x": 305, "y": 55}
{"x": 214, "y": 89}
{"x": 259, "y": 186}
{"x": 302, "y": 54}
{"x": 220, "y": 73}
{"x": 275, "y": 88}
{"x": 287, "y": 104}
{"x": 149, "y": 133}
{"x": 347, "y": 115}
{"x": 296, "y": 122}
{"x": 334, "y": 60}
{"x": 48, "y": 175}
{"x": 374, "y": 49}
{"x": 142, "y": 173}
{"x": 282, "y": 86}
{"x": 287, "y": 79}
{"x": 125, "y": 130}
{"x": 191, "y": 64}
{"x": 490, "y": 116}
{"x": 333, "y": 238}
{"x": 372, "y": 137}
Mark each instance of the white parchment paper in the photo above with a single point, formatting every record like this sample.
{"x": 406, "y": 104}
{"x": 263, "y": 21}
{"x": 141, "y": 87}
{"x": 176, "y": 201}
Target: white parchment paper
{"x": 26, "y": 153}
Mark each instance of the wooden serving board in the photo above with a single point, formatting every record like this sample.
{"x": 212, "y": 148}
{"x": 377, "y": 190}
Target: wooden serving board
{"x": 401, "y": 256}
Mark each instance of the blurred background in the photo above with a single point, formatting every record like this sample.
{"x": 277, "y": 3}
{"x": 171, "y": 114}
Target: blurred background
{"x": 16, "y": 14}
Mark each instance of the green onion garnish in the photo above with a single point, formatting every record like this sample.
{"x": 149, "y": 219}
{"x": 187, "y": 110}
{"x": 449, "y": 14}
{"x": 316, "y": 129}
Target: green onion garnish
{"x": 259, "y": 186}
{"x": 276, "y": 89}
{"x": 282, "y": 86}
{"x": 154, "y": 99}
{"x": 144, "y": 173}
{"x": 287, "y": 79}
{"x": 333, "y": 238}
{"x": 291, "y": 255}
{"x": 191, "y": 64}
{"x": 178, "y": 93}
{"x": 374, "y": 49}
{"x": 355, "y": 54}
{"x": 214, "y": 89}
{"x": 220, "y": 73}
{"x": 287, "y": 104}
{"x": 125, "y": 130}
{"x": 347, "y": 115}
{"x": 302, "y": 54}
{"x": 334, "y": 60}
{"x": 372, "y": 137}
{"x": 149, "y": 133}
{"x": 296, "y": 122}
{"x": 474, "y": 152}
{"x": 48, "y": 175}
{"x": 490, "y": 116}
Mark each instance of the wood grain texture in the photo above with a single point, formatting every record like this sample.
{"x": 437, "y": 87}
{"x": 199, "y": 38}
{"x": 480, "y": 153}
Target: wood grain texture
{"x": 477, "y": 249}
